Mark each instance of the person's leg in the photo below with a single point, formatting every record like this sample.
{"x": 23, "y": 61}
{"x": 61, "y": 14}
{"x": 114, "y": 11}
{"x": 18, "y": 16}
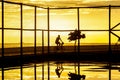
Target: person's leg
{"x": 58, "y": 75}
{"x": 57, "y": 47}
{"x": 61, "y": 69}
{"x": 61, "y": 66}
{"x": 62, "y": 45}
{"x": 58, "y": 43}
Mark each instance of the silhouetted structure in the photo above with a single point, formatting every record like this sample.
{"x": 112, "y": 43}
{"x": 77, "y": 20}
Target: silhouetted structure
{"x": 73, "y": 76}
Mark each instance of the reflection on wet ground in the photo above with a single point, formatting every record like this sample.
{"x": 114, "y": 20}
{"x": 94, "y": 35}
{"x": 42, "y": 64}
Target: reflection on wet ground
{"x": 93, "y": 71}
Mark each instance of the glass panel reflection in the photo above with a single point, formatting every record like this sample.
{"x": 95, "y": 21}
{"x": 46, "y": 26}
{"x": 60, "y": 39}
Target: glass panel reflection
{"x": 92, "y": 71}
{"x": 92, "y": 18}
{"x": 0, "y": 42}
{"x": 12, "y": 16}
{"x": 0, "y": 15}
{"x": 10, "y": 74}
{"x": 40, "y": 41}
{"x": 92, "y": 42}
{"x": 28, "y": 42}
{"x": 28, "y": 73}
{"x": 28, "y": 17}
{"x": 115, "y": 18}
{"x": 63, "y": 19}
{"x": 41, "y": 18}
{"x": 96, "y": 41}
{"x": 12, "y": 42}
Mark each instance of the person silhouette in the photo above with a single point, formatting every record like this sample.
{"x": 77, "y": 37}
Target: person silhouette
{"x": 59, "y": 42}
{"x": 59, "y": 70}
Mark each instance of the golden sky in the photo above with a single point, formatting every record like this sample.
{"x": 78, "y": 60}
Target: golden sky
{"x": 68, "y": 3}
{"x": 61, "y": 19}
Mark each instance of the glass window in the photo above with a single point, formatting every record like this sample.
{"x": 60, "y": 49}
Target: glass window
{"x": 45, "y": 38}
{"x": 0, "y": 14}
{"x": 42, "y": 19}
{"x": 12, "y": 42}
{"x": 11, "y": 16}
{"x": 92, "y": 18}
{"x": 0, "y": 43}
{"x": 39, "y": 41}
{"x": 63, "y": 36}
{"x": 96, "y": 37}
{"x": 115, "y": 18}
{"x": 28, "y": 42}
{"x": 63, "y": 19}
{"x": 28, "y": 17}
{"x": 12, "y": 36}
{"x": 28, "y": 37}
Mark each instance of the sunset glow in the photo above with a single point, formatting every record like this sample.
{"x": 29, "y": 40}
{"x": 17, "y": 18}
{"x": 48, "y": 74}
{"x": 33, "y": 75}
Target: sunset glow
{"x": 30, "y": 31}
{"x": 61, "y": 19}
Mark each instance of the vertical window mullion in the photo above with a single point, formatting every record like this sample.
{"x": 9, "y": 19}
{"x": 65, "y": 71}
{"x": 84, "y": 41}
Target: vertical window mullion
{"x": 35, "y": 42}
{"x": 48, "y": 42}
{"x": 109, "y": 54}
{"x": 21, "y": 40}
{"x": 2, "y": 39}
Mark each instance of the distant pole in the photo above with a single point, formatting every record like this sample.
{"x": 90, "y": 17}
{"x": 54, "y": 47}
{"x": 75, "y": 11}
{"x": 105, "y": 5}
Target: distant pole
{"x": 109, "y": 42}
{"x": 35, "y": 22}
{"x": 109, "y": 29}
{"x": 48, "y": 41}
{"x": 21, "y": 39}
{"x": 42, "y": 54}
{"x": 78, "y": 42}
{"x": 35, "y": 8}
{"x": 2, "y": 39}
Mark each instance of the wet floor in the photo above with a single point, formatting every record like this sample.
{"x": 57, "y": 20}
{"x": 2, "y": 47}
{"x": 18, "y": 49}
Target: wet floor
{"x": 93, "y": 71}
